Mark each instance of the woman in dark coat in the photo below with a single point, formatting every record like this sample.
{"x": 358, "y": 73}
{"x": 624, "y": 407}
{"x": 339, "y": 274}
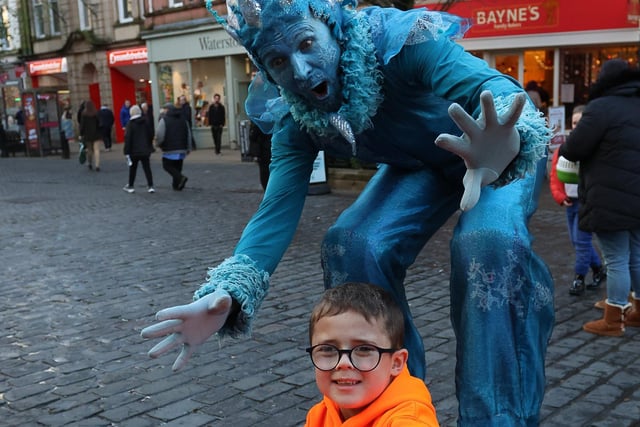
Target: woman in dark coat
{"x": 91, "y": 134}
{"x": 606, "y": 142}
{"x": 138, "y": 146}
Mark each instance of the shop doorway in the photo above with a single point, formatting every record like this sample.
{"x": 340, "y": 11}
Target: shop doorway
{"x": 538, "y": 67}
{"x": 509, "y": 64}
{"x": 94, "y": 94}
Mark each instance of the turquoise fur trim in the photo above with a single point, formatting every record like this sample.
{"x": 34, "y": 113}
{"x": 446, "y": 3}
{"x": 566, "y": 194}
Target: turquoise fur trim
{"x": 246, "y": 283}
{"x": 361, "y": 85}
{"x": 534, "y": 140}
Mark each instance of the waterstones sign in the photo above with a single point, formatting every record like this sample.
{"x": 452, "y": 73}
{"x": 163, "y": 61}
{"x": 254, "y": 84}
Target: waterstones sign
{"x": 192, "y": 46}
{"x": 210, "y": 44}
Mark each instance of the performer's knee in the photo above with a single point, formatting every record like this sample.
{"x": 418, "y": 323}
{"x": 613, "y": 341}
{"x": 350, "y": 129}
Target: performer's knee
{"x": 353, "y": 254}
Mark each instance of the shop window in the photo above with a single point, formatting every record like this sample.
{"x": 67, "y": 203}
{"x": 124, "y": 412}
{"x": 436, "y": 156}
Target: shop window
{"x": 46, "y": 18}
{"x": 207, "y": 79}
{"x": 173, "y": 81}
{"x": 175, "y": 3}
{"x": 125, "y": 11}
{"x": 580, "y": 68}
{"x": 508, "y": 64}
{"x": 86, "y": 13}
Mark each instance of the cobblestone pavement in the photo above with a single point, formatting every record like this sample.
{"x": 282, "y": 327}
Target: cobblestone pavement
{"x": 85, "y": 266}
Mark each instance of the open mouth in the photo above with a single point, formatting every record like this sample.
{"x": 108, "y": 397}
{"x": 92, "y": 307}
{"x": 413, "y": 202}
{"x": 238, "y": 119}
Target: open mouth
{"x": 321, "y": 91}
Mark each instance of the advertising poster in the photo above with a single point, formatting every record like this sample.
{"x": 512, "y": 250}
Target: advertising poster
{"x": 556, "y": 123}
{"x": 166, "y": 84}
{"x": 31, "y": 122}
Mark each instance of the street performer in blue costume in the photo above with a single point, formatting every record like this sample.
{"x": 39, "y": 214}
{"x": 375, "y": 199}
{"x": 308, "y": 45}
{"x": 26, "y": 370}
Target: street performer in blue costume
{"x": 392, "y": 87}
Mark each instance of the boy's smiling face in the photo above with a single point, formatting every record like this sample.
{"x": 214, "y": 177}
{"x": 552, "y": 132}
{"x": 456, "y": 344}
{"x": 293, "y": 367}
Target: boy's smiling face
{"x": 349, "y": 388}
{"x": 301, "y": 55}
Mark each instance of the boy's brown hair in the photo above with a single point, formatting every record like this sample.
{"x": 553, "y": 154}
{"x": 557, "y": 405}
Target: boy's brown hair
{"x": 370, "y": 301}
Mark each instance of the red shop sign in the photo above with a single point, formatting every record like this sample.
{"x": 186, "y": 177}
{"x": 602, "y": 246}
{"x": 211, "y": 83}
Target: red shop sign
{"x": 134, "y": 55}
{"x": 495, "y": 18}
{"x": 47, "y": 66}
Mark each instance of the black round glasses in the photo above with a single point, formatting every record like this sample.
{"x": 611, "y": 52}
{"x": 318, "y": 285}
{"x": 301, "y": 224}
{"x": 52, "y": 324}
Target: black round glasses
{"x": 364, "y": 357}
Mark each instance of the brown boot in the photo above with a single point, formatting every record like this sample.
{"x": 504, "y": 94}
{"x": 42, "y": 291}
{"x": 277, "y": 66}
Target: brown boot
{"x": 632, "y": 315}
{"x": 601, "y": 303}
{"x": 611, "y": 325}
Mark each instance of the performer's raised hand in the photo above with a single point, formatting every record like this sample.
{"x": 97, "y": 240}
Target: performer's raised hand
{"x": 487, "y": 146}
{"x": 188, "y": 325}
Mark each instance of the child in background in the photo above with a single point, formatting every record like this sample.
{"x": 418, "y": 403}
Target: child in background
{"x": 567, "y": 195}
{"x": 356, "y": 333}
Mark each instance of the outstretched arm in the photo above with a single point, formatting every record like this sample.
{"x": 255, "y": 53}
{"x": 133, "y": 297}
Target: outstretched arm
{"x": 488, "y": 144}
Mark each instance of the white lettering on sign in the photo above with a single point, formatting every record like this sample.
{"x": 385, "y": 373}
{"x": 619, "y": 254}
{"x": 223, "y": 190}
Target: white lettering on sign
{"x": 53, "y": 65}
{"x": 133, "y": 56}
{"x": 508, "y": 18}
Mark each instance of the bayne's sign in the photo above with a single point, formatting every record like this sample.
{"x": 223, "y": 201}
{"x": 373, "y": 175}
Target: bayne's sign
{"x": 134, "y": 55}
{"x": 531, "y": 16}
{"x": 494, "y": 18}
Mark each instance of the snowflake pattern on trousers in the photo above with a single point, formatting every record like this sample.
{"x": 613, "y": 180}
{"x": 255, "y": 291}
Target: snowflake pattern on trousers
{"x": 496, "y": 289}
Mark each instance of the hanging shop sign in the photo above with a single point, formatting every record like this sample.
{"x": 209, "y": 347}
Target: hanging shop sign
{"x": 47, "y": 66}
{"x": 131, "y": 56}
{"x": 495, "y": 18}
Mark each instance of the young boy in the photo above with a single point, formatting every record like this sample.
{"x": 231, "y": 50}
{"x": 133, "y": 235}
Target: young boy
{"x": 566, "y": 194}
{"x": 356, "y": 333}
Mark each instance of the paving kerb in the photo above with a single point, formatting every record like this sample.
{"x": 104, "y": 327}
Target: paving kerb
{"x": 86, "y": 266}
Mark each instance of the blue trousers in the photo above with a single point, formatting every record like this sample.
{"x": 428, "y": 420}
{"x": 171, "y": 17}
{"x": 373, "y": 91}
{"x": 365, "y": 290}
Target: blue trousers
{"x": 501, "y": 292}
{"x": 586, "y": 255}
{"x": 621, "y": 252}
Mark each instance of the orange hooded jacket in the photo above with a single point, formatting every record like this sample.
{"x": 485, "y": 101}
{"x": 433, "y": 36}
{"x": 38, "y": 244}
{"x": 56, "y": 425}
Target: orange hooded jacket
{"x": 406, "y": 402}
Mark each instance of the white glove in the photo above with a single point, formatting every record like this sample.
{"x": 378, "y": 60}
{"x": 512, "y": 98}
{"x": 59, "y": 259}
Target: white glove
{"x": 487, "y": 146}
{"x": 188, "y": 325}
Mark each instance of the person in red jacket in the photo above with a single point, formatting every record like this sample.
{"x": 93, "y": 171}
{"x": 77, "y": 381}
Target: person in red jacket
{"x": 356, "y": 333}
{"x": 566, "y": 194}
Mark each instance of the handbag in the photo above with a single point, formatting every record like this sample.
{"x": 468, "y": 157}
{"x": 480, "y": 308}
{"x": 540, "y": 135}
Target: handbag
{"x": 82, "y": 155}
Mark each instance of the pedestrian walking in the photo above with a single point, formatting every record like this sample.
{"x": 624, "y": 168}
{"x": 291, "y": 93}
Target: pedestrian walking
{"x": 90, "y": 134}
{"x": 173, "y": 137}
{"x": 138, "y": 146}
{"x": 185, "y": 109}
{"x": 20, "y": 122}
{"x": 260, "y": 148}
{"x": 3, "y": 141}
{"x": 606, "y": 143}
{"x": 125, "y": 115}
{"x": 217, "y": 118}
{"x": 106, "y": 120}
{"x": 147, "y": 115}
{"x": 68, "y": 133}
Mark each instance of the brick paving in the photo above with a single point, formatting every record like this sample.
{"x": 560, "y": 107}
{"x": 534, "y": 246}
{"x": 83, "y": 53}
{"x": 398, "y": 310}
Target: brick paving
{"x": 85, "y": 266}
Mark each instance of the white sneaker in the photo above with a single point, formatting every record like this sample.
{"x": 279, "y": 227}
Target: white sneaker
{"x": 151, "y": 190}
{"x": 128, "y": 188}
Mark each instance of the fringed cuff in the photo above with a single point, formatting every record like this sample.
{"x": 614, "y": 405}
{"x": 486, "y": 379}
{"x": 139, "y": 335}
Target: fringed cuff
{"x": 534, "y": 140}
{"x": 246, "y": 283}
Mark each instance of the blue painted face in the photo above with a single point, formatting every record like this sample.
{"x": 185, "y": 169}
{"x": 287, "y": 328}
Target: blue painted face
{"x": 303, "y": 57}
